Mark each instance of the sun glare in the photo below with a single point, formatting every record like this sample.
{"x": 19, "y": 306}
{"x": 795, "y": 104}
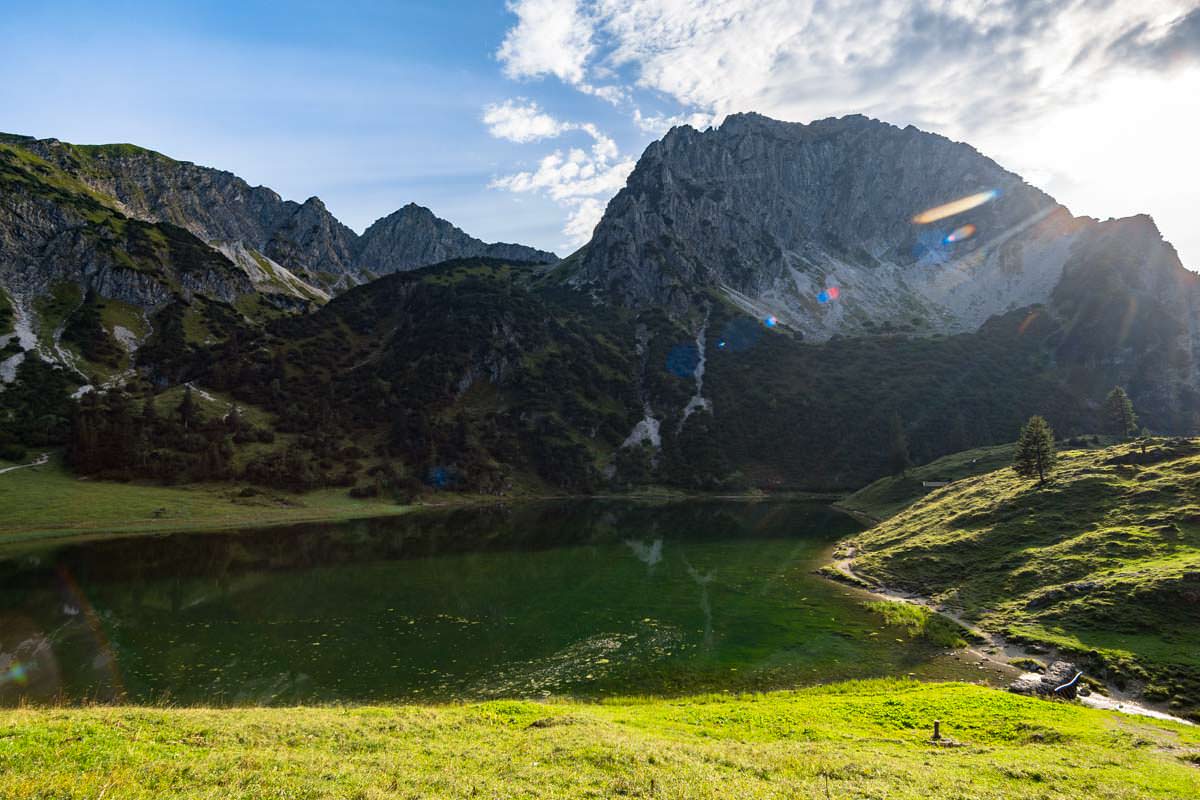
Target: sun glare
{"x": 955, "y": 207}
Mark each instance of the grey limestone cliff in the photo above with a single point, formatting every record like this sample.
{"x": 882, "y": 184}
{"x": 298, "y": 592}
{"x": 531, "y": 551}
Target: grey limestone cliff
{"x": 305, "y": 238}
{"x": 773, "y": 213}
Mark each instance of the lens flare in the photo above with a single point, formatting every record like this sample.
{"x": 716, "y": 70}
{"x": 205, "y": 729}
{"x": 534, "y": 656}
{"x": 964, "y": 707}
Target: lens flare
{"x": 741, "y": 334}
{"x": 960, "y": 234}
{"x": 683, "y": 360}
{"x": 75, "y": 596}
{"x": 15, "y": 674}
{"x": 955, "y": 207}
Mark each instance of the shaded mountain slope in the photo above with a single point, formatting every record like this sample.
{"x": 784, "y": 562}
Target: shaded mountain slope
{"x": 65, "y": 246}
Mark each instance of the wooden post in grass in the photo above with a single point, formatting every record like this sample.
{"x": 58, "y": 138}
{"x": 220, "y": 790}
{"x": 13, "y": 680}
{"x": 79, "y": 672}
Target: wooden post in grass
{"x": 937, "y": 730}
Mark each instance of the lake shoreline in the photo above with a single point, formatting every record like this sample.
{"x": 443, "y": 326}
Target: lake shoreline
{"x": 141, "y": 509}
{"x": 841, "y": 569}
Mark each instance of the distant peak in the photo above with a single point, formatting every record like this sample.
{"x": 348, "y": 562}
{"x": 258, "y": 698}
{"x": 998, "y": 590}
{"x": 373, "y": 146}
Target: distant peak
{"x": 746, "y": 116}
{"x": 414, "y": 208}
{"x": 753, "y": 121}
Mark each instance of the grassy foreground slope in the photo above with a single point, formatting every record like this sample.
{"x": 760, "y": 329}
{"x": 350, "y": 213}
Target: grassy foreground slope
{"x": 862, "y": 740}
{"x": 1103, "y": 563}
{"x": 48, "y": 501}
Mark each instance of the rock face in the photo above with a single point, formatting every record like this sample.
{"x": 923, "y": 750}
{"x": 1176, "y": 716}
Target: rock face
{"x": 53, "y": 229}
{"x": 221, "y": 208}
{"x": 119, "y": 222}
{"x": 413, "y": 237}
{"x": 1057, "y": 681}
{"x": 772, "y": 213}
{"x": 313, "y": 241}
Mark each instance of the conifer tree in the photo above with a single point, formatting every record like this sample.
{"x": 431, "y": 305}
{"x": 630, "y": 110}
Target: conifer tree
{"x": 187, "y": 407}
{"x": 1035, "y": 450}
{"x": 1121, "y": 417}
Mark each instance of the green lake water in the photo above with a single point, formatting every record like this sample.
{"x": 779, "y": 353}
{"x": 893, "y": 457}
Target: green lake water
{"x": 586, "y": 599}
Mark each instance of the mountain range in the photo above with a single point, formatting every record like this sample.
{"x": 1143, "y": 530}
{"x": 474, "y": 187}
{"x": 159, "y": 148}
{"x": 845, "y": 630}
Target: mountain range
{"x": 764, "y": 304}
{"x": 249, "y": 225}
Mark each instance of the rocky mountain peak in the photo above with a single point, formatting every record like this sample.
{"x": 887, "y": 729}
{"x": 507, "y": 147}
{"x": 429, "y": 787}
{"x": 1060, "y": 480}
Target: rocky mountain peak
{"x": 413, "y": 236}
{"x": 774, "y": 212}
{"x": 226, "y": 212}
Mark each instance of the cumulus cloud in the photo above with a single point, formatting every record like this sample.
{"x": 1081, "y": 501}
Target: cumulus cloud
{"x": 579, "y": 179}
{"x": 658, "y": 124}
{"x": 576, "y": 178}
{"x": 569, "y": 175}
{"x": 521, "y": 122}
{"x": 951, "y": 65}
{"x": 583, "y": 220}
{"x": 610, "y": 94}
{"x": 551, "y": 37}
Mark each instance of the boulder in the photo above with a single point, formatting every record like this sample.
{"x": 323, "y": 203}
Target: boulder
{"x": 1058, "y": 681}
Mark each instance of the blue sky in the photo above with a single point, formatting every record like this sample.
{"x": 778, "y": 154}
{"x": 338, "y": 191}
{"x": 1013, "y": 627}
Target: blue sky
{"x": 367, "y": 105}
{"x": 518, "y": 120}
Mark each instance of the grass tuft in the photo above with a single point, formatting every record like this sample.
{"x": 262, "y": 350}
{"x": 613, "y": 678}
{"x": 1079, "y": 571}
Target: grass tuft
{"x": 920, "y": 621}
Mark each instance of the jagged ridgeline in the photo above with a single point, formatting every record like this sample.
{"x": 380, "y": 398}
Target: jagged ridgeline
{"x": 757, "y": 307}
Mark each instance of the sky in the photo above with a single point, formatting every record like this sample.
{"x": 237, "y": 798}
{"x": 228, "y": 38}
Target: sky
{"x": 518, "y": 120}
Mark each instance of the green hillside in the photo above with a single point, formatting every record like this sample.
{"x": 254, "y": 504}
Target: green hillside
{"x": 1103, "y": 563}
{"x": 890, "y": 495}
{"x": 49, "y": 502}
{"x": 860, "y": 740}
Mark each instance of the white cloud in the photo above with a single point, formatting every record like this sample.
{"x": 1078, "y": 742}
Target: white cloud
{"x": 583, "y": 220}
{"x": 957, "y": 65}
{"x": 551, "y": 37}
{"x": 610, "y": 94}
{"x": 659, "y": 124}
{"x": 521, "y": 122}
{"x": 554, "y": 37}
{"x": 569, "y": 175}
{"x": 579, "y": 179}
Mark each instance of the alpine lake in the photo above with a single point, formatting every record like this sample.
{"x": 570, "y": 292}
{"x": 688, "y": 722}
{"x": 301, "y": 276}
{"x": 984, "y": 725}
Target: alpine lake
{"x": 584, "y": 599}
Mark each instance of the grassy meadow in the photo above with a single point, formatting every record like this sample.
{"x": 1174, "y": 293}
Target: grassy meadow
{"x": 856, "y": 740}
{"x": 48, "y": 502}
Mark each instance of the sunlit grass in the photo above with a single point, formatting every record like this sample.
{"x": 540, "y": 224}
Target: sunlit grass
{"x": 920, "y": 621}
{"x": 857, "y": 740}
{"x": 1101, "y": 563}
